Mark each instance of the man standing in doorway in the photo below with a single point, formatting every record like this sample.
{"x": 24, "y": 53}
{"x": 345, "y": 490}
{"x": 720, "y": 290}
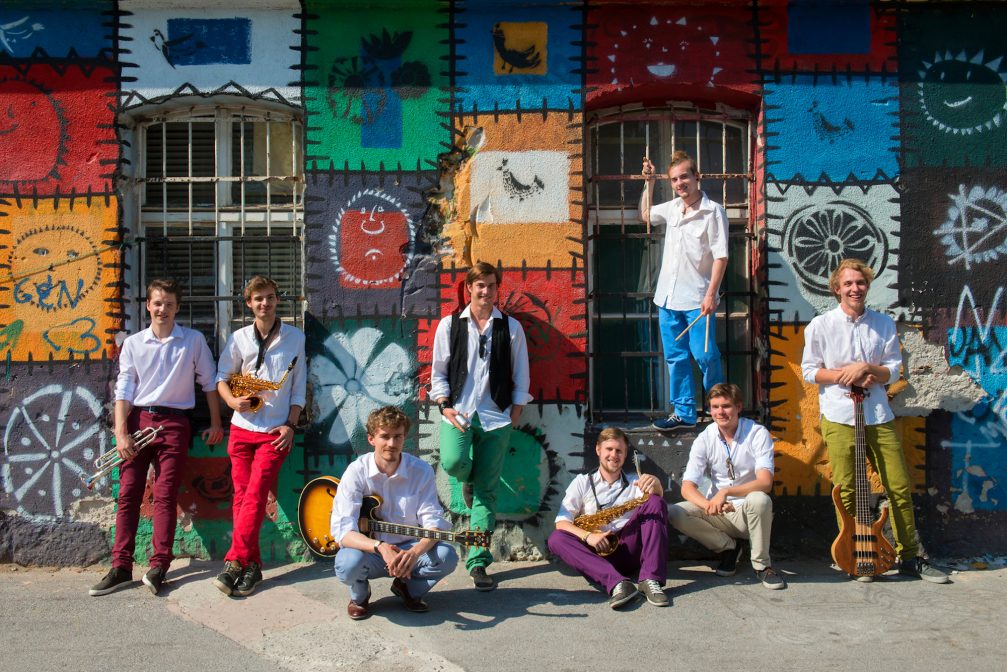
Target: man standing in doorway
{"x": 688, "y": 286}
{"x": 480, "y": 380}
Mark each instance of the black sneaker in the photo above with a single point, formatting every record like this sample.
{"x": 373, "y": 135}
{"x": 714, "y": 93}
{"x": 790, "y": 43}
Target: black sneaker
{"x": 115, "y": 579}
{"x": 920, "y": 568}
{"x": 770, "y": 579}
{"x": 250, "y": 578}
{"x": 481, "y": 579}
{"x": 729, "y": 561}
{"x": 154, "y": 578}
{"x": 228, "y": 579}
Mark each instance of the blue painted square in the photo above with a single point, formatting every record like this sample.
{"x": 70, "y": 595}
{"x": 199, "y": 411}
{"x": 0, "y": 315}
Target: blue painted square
{"x": 978, "y": 460}
{"x": 209, "y": 41}
{"x": 981, "y": 352}
{"x": 829, "y": 29}
{"x": 830, "y": 130}
{"x": 480, "y": 87}
{"x": 55, "y": 32}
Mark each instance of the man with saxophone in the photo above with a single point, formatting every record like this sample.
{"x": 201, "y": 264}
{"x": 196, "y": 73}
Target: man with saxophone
{"x": 737, "y": 455}
{"x": 479, "y": 379}
{"x": 263, "y": 424}
{"x": 408, "y": 490}
{"x": 854, "y": 345}
{"x": 622, "y": 530}
{"x": 154, "y": 390}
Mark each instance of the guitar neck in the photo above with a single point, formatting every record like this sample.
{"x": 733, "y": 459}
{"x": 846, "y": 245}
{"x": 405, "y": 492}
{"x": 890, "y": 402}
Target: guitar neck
{"x": 410, "y": 531}
{"x": 862, "y": 484}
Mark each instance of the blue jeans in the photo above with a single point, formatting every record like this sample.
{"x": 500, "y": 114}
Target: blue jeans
{"x": 676, "y": 355}
{"x": 355, "y": 568}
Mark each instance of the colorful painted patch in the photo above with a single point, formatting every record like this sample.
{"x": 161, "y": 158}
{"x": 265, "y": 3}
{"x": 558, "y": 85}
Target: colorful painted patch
{"x": 205, "y": 41}
{"x": 25, "y": 31}
{"x": 978, "y": 446}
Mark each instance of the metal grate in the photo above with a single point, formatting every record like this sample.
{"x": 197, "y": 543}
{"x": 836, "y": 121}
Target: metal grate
{"x": 629, "y": 379}
{"x": 220, "y": 199}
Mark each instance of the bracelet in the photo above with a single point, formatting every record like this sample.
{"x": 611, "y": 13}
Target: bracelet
{"x": 444, "y": 404}
{"x": 288, "y": 423}
{"x": 586, "y": 537}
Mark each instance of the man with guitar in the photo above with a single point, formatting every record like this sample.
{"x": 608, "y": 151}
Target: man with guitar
{"x": 408, "y": 490}
{"x": 853, "y": 345}
{"x": 632, "y": 541}
{"x": 737, "y": 453}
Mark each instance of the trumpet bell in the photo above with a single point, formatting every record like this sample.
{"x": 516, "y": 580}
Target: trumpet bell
{"x": 111, "y": 459}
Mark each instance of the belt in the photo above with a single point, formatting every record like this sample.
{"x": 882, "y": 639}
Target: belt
{"x": 163, "y": 410}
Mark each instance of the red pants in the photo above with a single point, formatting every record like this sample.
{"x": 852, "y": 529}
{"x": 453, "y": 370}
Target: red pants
{"x": 255, "y": 466}
{"x": 168, "y": 452}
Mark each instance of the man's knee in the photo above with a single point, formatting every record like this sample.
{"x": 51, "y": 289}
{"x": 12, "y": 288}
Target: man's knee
{"x": 445, "y": 557}
{"x": 348, "y": 564}
{"x": 557, "y": 541}
{"x": 679, "y": 512}
{"x": 455, "y": 465}
{"x": 655, "y": 506}
{"x": 759, "y": 502}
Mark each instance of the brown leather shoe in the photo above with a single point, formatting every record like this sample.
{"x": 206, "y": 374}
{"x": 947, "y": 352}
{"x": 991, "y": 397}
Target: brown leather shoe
{"x": 412, "y": 604}
{"x": 358, "y": 612}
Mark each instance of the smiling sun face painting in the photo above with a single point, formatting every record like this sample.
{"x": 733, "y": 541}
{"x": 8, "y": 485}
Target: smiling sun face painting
{"x": 963, "y": 95}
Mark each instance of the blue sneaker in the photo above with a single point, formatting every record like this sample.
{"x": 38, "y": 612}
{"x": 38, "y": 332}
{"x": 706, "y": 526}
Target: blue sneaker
{"x": 672, "y": 423}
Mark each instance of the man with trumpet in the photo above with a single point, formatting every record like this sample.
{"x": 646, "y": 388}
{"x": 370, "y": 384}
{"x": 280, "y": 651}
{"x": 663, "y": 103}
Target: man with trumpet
{"x": 262, "y": 427}
{"x": 688, "y": 286}
{"x": 633, "y": 543}
{"x": 153, "y": 394}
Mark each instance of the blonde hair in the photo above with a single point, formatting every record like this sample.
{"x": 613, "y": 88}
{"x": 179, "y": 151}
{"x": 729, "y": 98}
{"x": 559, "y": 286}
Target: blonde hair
{"x": 258, "y": 283}
{"x": 681, "y": 157}
{"x": 728, "y": 391}
{"x": 388, "y": 417}
{"x": 852, "y": 264}
{"x": 610, "y": 433}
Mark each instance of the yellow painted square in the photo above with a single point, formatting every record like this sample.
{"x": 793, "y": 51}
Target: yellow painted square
{"x": 520, "y": 48}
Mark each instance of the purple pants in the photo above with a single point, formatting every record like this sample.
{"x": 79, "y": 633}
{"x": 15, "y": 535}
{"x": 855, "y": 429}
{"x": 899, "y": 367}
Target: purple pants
{"x": 168, "y": 452}
{"x": 642, "y": 551}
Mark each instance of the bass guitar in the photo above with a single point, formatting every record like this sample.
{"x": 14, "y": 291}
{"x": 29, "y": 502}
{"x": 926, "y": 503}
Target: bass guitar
{"x": 861, "y": 549}
{"x": 314, "y": 514}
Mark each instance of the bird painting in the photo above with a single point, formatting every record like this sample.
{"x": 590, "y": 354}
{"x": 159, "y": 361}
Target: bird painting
{"x": 517, "y": 189}
{"x": 528, "y": 58}
{"x": 177, "y": 49}
{"x": 15, "y": 31}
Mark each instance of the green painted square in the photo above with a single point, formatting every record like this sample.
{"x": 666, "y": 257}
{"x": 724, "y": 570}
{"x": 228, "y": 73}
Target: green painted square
{"x": 373, "y": 85}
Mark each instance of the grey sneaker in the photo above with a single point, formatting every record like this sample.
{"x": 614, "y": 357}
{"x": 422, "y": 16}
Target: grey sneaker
{"x": 154, "y": 578}
{"x": 672, "y": 423}
{"x": 250, "y": 578}
{"x": 115, "y": 579}
{"x": 654, "y": 593}
{"x": 920, "y": 568}
{"x": 623, "y": 592}
{"x": 729, "y": 561}
{"x": 483, "y": 581}
{"x": 770, "y": 579}
{"x": 228, "y": 579}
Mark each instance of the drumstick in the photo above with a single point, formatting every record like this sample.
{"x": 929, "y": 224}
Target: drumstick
{"x": 646, "y": 184}
{"x": 706, "y": 339}
{"x": 689, "y": 327}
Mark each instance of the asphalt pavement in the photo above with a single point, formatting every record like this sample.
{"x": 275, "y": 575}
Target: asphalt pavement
{"x": 540, "y": 617}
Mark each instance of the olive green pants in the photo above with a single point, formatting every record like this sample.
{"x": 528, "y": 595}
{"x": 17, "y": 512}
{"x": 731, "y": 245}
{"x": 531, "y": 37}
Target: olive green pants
{"x": 884, "y": 450}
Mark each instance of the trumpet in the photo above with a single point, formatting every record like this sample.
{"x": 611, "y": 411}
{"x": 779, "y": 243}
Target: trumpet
{"x": 111, "y": 459}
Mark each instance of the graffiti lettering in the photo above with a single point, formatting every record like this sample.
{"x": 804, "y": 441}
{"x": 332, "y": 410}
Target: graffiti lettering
{"x": 984, "y": 331}
{"x": 41, "y": 293}
{"x": 10, "y": 335}
{"x": 76, "y": 336}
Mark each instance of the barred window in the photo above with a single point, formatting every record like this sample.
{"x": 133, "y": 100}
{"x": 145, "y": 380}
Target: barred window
{"x": 629, "y": 379}
{"x": 220, "y": 199}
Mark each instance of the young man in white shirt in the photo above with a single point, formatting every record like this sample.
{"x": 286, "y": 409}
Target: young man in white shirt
{"x": 737, "y": 455}
{"x": 480, "y": 380}
{"x": 259, "y": 439}
{"x": 688, "y": 286}
{"x": 854, "y": 345}
{"x": 407, "y": 487}
{"x": 635, "y": 543}
{"x": 154, "y": 389}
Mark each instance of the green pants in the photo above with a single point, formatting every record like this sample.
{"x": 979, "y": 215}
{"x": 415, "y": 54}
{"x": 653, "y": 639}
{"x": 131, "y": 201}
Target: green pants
{"x": 476, "y": 456}
{"x": 884, "y": 450}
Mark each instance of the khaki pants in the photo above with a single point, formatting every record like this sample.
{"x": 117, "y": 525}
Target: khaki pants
{"x": 751, "y": 519}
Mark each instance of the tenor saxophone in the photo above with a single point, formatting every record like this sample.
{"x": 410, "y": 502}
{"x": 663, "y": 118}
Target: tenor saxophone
{"x": 595, "y": 521}
{"x": 242, "y": 385}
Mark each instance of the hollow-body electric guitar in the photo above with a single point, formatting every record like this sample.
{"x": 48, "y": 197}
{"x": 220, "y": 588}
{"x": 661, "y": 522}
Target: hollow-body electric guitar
{"x": 861, "y": 549}
{"x": 314, "y": 514}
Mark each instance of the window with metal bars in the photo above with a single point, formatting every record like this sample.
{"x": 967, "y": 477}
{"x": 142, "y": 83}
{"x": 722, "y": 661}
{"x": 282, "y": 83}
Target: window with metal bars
{"x": 629, "y": 379}
{"x": 220, "y": 199}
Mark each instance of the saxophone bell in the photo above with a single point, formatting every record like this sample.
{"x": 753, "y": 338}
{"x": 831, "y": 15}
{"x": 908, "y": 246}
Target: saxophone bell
{"x": 244, "y": 385}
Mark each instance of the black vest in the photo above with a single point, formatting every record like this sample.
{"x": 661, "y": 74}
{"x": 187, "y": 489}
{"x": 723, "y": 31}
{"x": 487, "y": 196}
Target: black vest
{"x": 501, "y": 374}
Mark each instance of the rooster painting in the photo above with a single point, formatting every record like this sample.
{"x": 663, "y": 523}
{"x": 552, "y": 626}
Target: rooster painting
{"x": 515, "y": 58}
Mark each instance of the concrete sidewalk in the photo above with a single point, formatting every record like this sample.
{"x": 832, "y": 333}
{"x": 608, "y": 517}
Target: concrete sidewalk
{"x": 539, "y": 618}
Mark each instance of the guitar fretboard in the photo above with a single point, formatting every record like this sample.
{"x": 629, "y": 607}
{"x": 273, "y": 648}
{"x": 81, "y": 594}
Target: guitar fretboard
{"x": 410, "y": 531}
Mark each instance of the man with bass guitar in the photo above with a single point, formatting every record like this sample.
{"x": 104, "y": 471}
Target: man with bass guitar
{"x": 407, "y": 488}
{"x": 853, "y": 345}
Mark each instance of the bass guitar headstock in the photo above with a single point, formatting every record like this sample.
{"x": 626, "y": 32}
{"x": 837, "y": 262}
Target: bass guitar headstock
{"x": 857, "y": 394}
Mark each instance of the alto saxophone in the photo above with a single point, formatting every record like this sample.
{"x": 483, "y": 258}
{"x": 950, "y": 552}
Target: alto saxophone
{"x": 242, "y": 385}
{"x": 595, "y": 521}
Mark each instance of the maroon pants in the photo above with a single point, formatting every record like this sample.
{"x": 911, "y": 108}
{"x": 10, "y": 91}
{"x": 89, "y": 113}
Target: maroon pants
{"x": 255, "y": 466}
{"x": 168, "y": 452}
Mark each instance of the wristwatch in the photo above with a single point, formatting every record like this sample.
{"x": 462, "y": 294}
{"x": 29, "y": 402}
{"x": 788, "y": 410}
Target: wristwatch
{"x": 443, "y": 404}
{"x": 376, "y": 544}
{"x": 288, "y": 423}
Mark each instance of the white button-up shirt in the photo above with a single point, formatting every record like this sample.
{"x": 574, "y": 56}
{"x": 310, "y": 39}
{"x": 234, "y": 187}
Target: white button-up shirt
{"x": 474, "y": 397}
{"x": 409, "y": 497}
{"x": 239, "y": 355}
{"x": 750, "y": 450}
{"x": 833, "y": 340}
{"x": 691, "y": 243}
{"x": 579, "y": 499}
{"x": 155, "y": 372}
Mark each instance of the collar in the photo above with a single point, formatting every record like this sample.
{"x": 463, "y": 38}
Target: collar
{"x": 467, "y": 313}
{"x": 851, "y": 320}
{"x": 149, "y": 337}
{"x": 703, "y": 204}
{"x": 372, "y": 466}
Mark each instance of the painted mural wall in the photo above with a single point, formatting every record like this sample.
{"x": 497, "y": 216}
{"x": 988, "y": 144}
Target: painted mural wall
{"x": 439, "y": 133}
